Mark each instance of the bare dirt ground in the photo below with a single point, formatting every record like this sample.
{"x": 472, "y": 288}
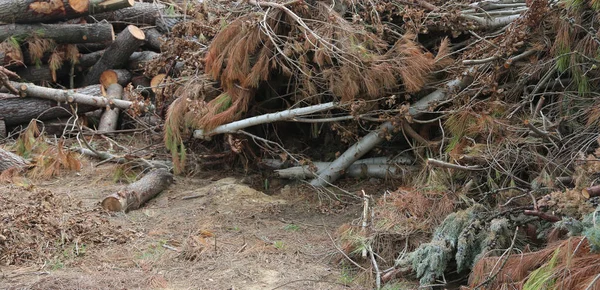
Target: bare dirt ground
{"x": 230, "y": 237}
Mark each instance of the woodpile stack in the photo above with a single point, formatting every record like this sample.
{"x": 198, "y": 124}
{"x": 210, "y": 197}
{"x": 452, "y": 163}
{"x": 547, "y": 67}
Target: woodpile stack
{"x": 76, "y": 56}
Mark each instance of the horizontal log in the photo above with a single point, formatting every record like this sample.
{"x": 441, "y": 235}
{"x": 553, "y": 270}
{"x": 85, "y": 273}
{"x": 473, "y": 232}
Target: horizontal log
{"x": 153, "y": 39}
{"x": 35, "y": 11}
{"x": 60, "y": 33}
{"x": 17, "y": 110}
{"x": 139, "y": 14}
{"x": 39, "y": 74}
{"x": 134, "y": 195}
{"x": 115, "y": 76}
{"x": 11, "y": 160}
{"x": 138, "y": 60}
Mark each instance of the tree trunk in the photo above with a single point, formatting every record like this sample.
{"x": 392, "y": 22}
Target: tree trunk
{"x": 117, "y": 53}
{"x": 110, "y": 118}
{"x": 60, "y": 33}
{"x": 153, "y": 39}
{"x": 71, "y": 96}
{"x": 10, "y": 160}
{"x": 34, "y": 11}
{"x": 37, "y": 75}
{"x": 139, "y": 14}
{"x": 17, "y": 110}
{"x": 134, "y": 195}
{"x": 138, "y": 60}
{"x": 115, "y": 76}
{"x": 89, "y": 59}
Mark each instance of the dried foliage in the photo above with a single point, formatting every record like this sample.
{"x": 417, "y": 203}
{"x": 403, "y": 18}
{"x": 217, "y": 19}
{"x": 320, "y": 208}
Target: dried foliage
{"x": 40, "y": 227}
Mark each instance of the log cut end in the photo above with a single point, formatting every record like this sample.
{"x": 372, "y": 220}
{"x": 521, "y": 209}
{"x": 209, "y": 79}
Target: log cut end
{"x": 156, "y": 81}
{"x": 112, "y": 203}
{"x": 80, "y": 6}
{"x": 115, "y": 76}
{"x": 136, "y": 32}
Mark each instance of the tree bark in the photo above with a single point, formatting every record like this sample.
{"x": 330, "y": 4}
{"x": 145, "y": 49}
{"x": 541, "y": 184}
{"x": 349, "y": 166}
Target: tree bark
{"x": 35, "y": 11}
{"x": 17, "y": 110}
{"x": 10, "y": 160}
{"x": 139, "y": 14}
{"x": 117, "y": 53}
{"x": 71, "y": 96}
{"x": 134, "y": 195}
{"x": 110, "y": 118}
{"x": 138, "y": 60}
{"x": 2, "y": 129}
{"x": 60, "y": 33}
{"x": 115, "y": 76}
{"x": 37, "y": 75}
{"x": 153, "y": 39}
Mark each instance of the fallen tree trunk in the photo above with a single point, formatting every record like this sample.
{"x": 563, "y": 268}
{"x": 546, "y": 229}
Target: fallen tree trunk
{"x": 60, "y": 33}
{"x": 38, "y": 74}
{"x": 117, "y": 54}
{"x": 11, "y": 160}
{"x": 134, "y": 195}
{"x": 17, "y": 110}
{"x": 368, "y": 142}
{"x": 71, "y": 96}
{"x": 140, "y": 13}
{"x": 110, "y": 118}
{"x": 34, "y": 11}
{"x": 153, "y": 38}
{"x": 138, "y": 60}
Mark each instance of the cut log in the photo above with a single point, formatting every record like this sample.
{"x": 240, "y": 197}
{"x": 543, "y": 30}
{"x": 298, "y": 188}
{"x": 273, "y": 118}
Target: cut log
{"x": 39, "y": 74}
{"x": 17, "y": 110}
{"x": 110, "y": 118}
{"x": 591, "y": 191}
{"x": 156, "y": 83}
{"x": 89, "y": 59}
{"x": 60, "y": 33}
{"x": 138, "y": 60}
{"x": 153, "y": 39}
{"x": 117, "y": 53}
{"x": 134, "y": 195}
{"x": 115, "y": 76}
{"x": 33, "y": 11}
{"x": 10, "y": 160}
{"x": 71, "y": 96}
{"x": 139, "y": 14}
{"x": 92, "y": 47}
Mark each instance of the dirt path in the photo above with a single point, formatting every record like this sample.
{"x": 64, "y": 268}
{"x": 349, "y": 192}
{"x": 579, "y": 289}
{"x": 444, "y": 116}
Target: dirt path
{"x": 231, "y": 237}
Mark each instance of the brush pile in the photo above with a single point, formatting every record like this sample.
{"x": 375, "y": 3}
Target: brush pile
{"x": 485, "y": 108}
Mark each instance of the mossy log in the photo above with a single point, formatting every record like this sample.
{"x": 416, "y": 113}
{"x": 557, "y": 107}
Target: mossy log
{"x": 117, "y": 54}
{"x": 35, "y": 11}
{"x": 60, "y": 33}
{"x": 134, "y": 195}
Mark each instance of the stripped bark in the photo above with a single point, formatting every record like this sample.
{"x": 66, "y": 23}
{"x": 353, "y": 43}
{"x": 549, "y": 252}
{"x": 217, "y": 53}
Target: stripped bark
{"x": 71, "y": 96}
{"x": 60, "y": 33}
{"x": 10, "y": 160}
{"x": 110, "y": 118}
{"x": 32, "y": 11}
{"x": 117, "y": 53}
{"x": 364, "y": 145}
{"x": 134, "y": 195}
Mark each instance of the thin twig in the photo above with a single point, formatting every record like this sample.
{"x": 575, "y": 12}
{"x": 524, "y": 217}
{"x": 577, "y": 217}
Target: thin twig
{"x": 442, "y": 164}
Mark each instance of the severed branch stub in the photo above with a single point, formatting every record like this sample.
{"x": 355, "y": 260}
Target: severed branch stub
{"x": 591, "y": 191}
{"x": 134, "y": 195}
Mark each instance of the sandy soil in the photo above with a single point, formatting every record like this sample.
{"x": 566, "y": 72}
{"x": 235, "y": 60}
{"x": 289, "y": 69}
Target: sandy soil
{"x": 229, "y": 236}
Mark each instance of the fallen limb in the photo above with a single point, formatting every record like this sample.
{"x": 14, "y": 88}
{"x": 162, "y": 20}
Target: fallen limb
{"x": 591, "y": 191}
{"x": 368, "y": 142}
{"x": 71, "y": 96}
{"x": 141, "y": 162}
{"x": 382, "y": 171}
{"x": 17, "y": 110}
{"x": 287, "y": 115}
{"x": 134, "y": 195}
{"x": 439, "y": 163}
{"x": 399, "y": 160}
{"x": 61, "y": 33}
{"x": 33, "y": 11}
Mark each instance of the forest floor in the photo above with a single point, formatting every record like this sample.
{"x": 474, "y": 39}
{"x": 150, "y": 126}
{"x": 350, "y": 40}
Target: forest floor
{"x": 231, "y": 237}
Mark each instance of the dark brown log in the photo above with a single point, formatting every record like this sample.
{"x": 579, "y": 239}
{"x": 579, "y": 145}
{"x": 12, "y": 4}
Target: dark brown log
{"x": 35, "y": 11}
{"x": 37, "y": 75}
{"x": 17, "y": 110}
{"x": 134, "y": 195}
{"x": 117, "y": 53}
{"x": 591, "y": 191}
{"x": 110, "y": 118}
{"x": 60, "y": 33}
{"x": 153, "y": 39}
{"x": 139, "y": 14}
{"x": 138, "y": 60}
{"x": 115, "y": 76}
{"x": 10, "y": 160}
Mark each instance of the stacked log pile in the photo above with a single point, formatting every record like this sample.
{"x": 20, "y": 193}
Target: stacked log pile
{"x": 93, "y": 50}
